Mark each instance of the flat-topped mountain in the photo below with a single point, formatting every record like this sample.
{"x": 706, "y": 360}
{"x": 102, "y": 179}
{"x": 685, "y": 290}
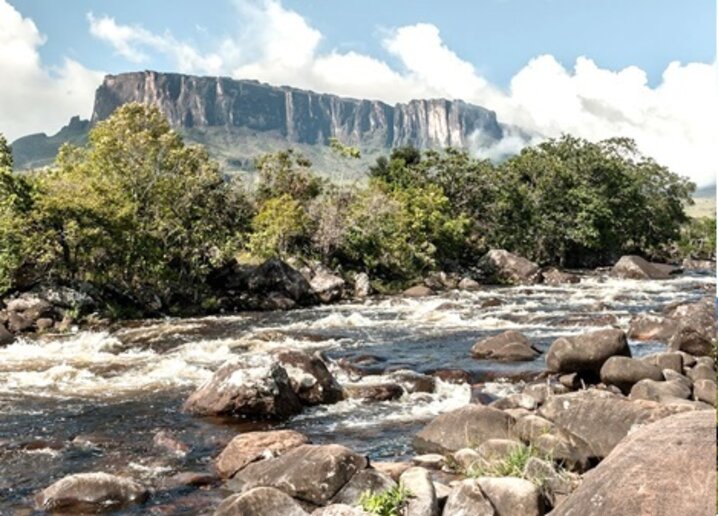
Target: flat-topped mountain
{"x": 239, "y": 119}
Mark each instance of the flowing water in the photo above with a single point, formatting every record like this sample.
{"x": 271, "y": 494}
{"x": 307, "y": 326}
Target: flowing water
{"x": 92, "y": 401}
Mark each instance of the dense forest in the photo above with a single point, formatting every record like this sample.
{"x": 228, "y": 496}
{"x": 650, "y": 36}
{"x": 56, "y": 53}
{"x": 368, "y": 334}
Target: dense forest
{"x": 141, "y": 214}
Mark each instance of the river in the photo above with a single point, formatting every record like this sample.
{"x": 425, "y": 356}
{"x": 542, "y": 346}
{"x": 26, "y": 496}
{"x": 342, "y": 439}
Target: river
{"x": 93, "y": 401}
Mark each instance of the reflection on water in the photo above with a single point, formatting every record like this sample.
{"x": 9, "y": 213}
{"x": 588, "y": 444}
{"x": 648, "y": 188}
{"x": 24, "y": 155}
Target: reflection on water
{"x": 94, "y": 401}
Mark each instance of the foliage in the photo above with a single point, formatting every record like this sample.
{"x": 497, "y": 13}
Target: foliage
{"x": 136, "y": 210}
{"x": 512, "y": 465}
{"x": 15, "y": 230}
{"x": 344, "y": 150}
{"x": 698, "y": 239}
{"x": 385, "y": 503}
{"x": 401, "y": 233}
{"x": 278, "y": 226}
{"x": 286, "y": 173}
{"x": 566, "y": 201}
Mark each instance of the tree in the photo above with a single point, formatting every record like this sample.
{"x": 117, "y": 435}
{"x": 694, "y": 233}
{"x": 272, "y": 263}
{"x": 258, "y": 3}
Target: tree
{"x": 286, "y": 173}
{"x": 277, "y": 227}
{"x": 16, "y": 235}
{"x": 138, "y": 209}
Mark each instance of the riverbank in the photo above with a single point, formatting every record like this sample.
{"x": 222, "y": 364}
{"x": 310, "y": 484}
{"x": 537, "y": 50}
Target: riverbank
{"x": 119, "y": 394}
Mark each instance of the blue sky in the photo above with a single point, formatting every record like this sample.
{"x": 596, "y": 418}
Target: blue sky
{"x": 595, "y": 68}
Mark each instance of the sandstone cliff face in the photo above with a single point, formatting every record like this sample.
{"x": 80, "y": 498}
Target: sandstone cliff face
{"x": 296, "y": 115}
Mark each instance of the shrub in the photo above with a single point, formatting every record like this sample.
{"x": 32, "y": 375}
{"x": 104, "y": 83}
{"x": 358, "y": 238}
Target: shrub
{"x": 385, "y": 503}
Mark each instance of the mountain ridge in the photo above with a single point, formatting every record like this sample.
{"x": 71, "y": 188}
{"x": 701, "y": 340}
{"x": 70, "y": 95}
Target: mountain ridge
{"x": 239, "y": 119}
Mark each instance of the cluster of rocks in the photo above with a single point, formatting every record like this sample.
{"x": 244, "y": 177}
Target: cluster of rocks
{"x": 600, "y": 432}
{"x": 41, "y": 310}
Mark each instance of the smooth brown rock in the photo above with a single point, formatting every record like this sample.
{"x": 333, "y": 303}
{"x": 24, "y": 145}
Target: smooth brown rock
{"x": 554, "y": 276}
{"x": 665, "y": 360}
{"x": 635, "y": 267}
{"x": 501, "y": 266}
{"x": 418, "y": 291}
{"x": 465, "y": 427}
{"x": 260, "y": 501}
{"x": 253, "y": 446}
{"x": 661, "y": 469}
{"x": 467, "y": 499}
{"x": 90, "y": 492}
{"x": 600, "y": 419}
{"x": 311, "y": 473}
{"x": 422, "y": 501}
{"x": 705, "y": 391}
{"x": 586, "y": 353}
{"x": 625, "y": 372}
{"x": 366, "y": 480}
{"x": 251, "y": 386}
{"x": 509, "y": 346}
{"x": 511, "y": 496}
{"x": 374, "y": 392}
{"x": 657, "y": 391}
{"x": 309, "y": 377}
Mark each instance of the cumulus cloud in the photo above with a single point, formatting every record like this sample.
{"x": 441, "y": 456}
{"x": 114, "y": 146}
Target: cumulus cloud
{"x": 34, "y": 97}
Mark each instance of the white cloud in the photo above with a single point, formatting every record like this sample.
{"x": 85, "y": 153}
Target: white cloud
{"x": 34, "y": 97}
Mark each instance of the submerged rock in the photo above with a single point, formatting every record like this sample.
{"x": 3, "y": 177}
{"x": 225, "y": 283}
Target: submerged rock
{"x": 91, "y": 492}
{"x": 662, "y": 469}
{"x": 250, "y": 386}
{"x": 509, "y": 346}
{"x": 635, "y": 267}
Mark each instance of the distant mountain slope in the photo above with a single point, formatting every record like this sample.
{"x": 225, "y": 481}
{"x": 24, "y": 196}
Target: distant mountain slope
{"x": 239, "y": 119}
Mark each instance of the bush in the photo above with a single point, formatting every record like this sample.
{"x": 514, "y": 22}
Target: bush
{"x": 385, "y": 503}
{"x": 279, "y": 227}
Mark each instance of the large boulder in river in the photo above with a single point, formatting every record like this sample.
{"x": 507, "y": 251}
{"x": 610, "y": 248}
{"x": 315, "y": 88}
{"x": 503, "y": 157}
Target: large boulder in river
{"x": 260, "y": 501}
{"x": 253, "y": 386}
{"x": 253, "y": 446}
{"x": 625, "y": 372}
{"x": 600, "y": 419}
{"x": 276, "y": 276}
{"x": 89, "y": 493}
{"x": 465, "y": 427}
{"x": 502, "y": 267}
{"x": 586, "y": 353}
{"x": 328, "y": 286}
{"x": 661, "y": 469}
{"x": 696, "y": 329}
{"x": 554, "y": 276}
{"x": 635, "y": 267}
{"x": 509, "y": 346}
{"x": 310, "y": 473}
{"x": 309, "y": 377}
